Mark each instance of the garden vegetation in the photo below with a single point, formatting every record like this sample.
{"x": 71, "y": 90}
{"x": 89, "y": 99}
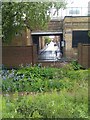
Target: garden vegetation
{"x": 43, "y": 92}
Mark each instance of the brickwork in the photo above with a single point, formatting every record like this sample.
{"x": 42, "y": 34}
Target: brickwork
{"x": 19, "y": 40}
{"x": 28, "y": 37}
{"x": 23, "y": 39}
{"x": 70, "y": 24}
{"x": 13, "y": 56}
{"x": 55, "y": 25}
{"x": 76, "y": 19}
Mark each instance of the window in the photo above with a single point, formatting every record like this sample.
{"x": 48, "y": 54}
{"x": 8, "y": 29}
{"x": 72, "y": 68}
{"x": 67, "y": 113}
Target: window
{"x": 79, "y": 37}
{"x": 74, "y": 11}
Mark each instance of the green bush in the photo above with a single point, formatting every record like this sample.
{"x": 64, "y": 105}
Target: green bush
{"x": 36, "y": 79}
{"x": 49, "y": 92}
{"x": 75, "y": 65}
{"x": 46, "y": 105}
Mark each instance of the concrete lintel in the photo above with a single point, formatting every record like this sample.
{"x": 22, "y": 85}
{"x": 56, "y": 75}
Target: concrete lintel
{"x": 46, "y": 33}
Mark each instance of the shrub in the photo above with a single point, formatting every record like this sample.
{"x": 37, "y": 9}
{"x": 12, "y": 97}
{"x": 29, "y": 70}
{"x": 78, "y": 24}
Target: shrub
{"x": 36, "y": 79}
{"x": 51, "y": 92}
{"x": 75, "y": 65}
{"x": 46, "y": 105}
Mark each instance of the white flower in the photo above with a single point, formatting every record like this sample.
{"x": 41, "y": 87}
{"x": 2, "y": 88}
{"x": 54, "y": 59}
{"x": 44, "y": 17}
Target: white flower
{"x": 52, "y": 103}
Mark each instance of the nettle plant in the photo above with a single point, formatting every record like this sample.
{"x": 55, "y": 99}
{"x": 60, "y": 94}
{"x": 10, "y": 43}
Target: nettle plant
{"x": 89, "y": 34}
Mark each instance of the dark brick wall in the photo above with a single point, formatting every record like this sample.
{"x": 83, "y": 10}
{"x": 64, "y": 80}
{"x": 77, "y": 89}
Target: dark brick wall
{"x": 53, "y": 26}
{"x": 84, "y": 55}
{"x": 13, "y": 56}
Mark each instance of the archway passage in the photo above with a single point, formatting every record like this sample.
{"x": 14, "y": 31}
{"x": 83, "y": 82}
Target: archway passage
{"x": 46, "y": 49}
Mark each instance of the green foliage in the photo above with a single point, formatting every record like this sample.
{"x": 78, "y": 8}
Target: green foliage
{"x": 18, "y": 15}
{"x": 38, "y": 79}
{"x": 76, "y": 65}
{"x": 73, "y": 65}
{"x": 45, "y": 92}
{"x": 26, "y": 79}
{"x": 0, "y": 106}
{"x": 49, "y": 105}
{"x": 47, "y": 39}
{"x": 89, "y": 33}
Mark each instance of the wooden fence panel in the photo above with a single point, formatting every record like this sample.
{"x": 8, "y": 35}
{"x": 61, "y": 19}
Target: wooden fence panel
{"x": 13, "y": 56}
{"x": 84, "y": 55}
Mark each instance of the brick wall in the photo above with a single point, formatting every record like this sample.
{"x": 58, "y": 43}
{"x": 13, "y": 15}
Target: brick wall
{"x": 13, "y": 56}
{"x": 19, "y": 40}
{"x": 55, "y": 25}
{"x": 22, "y": 39}
{"x": 71, "y": 24}
{"x": 84, "y": 55}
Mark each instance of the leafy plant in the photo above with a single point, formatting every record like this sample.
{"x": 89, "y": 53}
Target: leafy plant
{"x": 36, "y": 79}
{"x": 46, "y": 105}
{"x": 45, "y": 92}
{"x": 75, "y": 65}
{"x": 17, "y": 16}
